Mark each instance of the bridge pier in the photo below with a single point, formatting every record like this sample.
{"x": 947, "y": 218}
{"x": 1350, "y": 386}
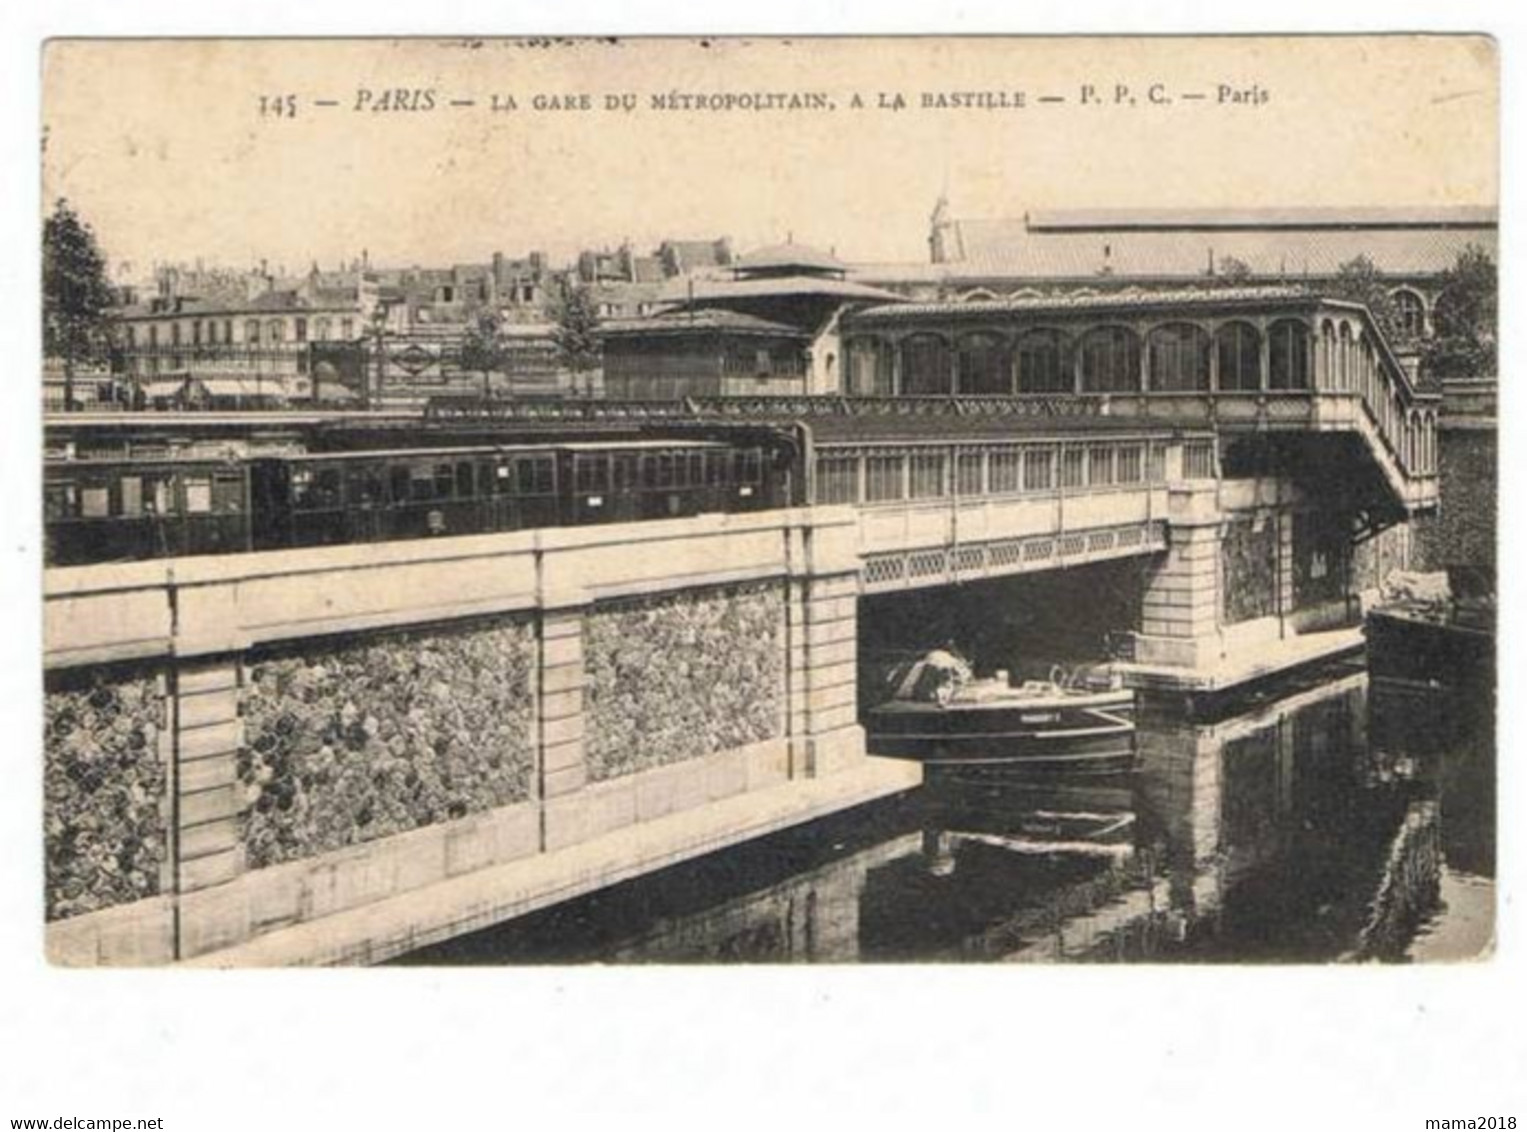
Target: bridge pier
{"x": 1259, "y": 576}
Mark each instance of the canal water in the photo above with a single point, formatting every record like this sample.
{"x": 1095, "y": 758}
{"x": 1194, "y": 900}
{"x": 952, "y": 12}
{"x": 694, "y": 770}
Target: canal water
{"x": 1326, "y": 817}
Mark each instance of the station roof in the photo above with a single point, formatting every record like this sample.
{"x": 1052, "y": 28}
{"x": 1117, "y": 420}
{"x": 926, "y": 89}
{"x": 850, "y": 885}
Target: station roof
{"x": 782, "y": 286}
{"x": 782, "y": 257}
{"x": 1273, "y": 243}
{"x": 1083, "y": 303}
{"x": 701, "y": 320}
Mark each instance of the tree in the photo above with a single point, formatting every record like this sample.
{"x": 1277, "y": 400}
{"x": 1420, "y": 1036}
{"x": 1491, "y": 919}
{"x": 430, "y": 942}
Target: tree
{"x": 1232, "y": 272}
{"x": 1359, "y": 281}
{"x": 1464, "y": 318}
{"x": 482, "y": 348}
{"x": 576, "y": 332}
{"x": 77, "y": 325}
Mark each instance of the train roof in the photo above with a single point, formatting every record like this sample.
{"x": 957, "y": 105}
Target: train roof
{"x": 497, "y": 450}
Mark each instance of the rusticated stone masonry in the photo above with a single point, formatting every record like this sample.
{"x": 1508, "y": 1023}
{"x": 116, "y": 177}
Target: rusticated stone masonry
{"x": 104, "y": 787}
{"x": 381, "y": 735}
{"x": 683, "y": 675}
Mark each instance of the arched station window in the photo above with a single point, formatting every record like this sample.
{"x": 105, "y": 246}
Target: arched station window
{"x": 1044, "y": 363}
{"x": 1240, "y": 357}
{"x": 1179, "y": 358}
{"x": 983, "y": 365}
{"x": 1410, "y": 314}
{"x": 1110, "y": 360}
{"x": 1330, "y": 370}
{"x": 252, "y": 332}
{"x": 1288, "y": 355}
{"x": 925, "y": 366}
{"x": 274, "y": 330}
{"x": 869, "y": 368}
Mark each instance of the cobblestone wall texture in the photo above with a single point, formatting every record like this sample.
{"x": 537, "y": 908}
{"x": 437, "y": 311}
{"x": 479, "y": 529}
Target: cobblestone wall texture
{"x": 681, "y": 676}
{"x": 1249, "y": 560}
{"x": 1462, "y": 531}
{"x": 104, "y": 792}
{"x": 390, "y": 733}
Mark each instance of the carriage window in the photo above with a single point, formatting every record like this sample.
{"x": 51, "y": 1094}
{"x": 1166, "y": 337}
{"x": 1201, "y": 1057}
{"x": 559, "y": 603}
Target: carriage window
{"x": 198, "y": 495}
{"x": 1004, "y": 469}
{"x": 132, "y": 497}
{"x": 1037, "y": 474}
{"x": 445, "y": 480}
{"x": 749, "y": 466}
{"x": 161, "y": 500}
{"x": 715, "y": 469}
{"x": 625, "y": 472}
{"x": 326, "y": 489}
{"x": 366, "y": 485}
{"x": 697, "y": 468}
{"x": 302, "y": 486}
{"x": 535, "y": 476}
{"x": 95, "y": 502}
{"x": 399, "y": 478}
{"x": 664, "y": 462}
{"x": 464, "y": 479}
{"x": 591, "y": 474}
{"x": 58, "y": 501}
{"x": 421, "y": 487}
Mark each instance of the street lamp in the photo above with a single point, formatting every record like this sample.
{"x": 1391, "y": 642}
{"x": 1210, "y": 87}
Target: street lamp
{"x": 373, "y": 399}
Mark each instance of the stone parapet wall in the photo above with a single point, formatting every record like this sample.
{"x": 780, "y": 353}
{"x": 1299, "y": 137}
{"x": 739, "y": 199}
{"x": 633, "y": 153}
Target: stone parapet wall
{"x": 345, "y": 743}
{"x": 302, "y": 734}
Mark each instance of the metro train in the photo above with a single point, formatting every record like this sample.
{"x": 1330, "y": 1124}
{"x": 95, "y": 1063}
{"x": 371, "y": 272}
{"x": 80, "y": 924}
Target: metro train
{"x": 99, "y": 510}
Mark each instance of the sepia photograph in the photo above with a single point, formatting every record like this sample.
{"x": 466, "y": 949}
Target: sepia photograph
{"x": 734, "y": 501}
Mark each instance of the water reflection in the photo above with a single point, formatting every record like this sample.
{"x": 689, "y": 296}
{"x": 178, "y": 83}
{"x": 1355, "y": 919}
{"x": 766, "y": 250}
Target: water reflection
{"x": 1322, "y": 820}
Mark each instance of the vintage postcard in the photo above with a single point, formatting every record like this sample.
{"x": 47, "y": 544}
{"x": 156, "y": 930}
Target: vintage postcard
{"x": 823, "y": 500}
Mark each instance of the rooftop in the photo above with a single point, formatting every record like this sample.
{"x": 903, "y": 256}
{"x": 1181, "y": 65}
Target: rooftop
{"x": 776, "y": 286}
{"x": 702, "y": 320}
{"x": 1272, "y": 243}
{"x": 1131, "y": 299}
{"x": 793, "y": 258}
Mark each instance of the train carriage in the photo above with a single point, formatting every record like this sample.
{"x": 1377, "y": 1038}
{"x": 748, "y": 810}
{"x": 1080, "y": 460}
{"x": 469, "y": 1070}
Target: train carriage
{"x": 119, "y": 510}
{"x": 106, "y": 511}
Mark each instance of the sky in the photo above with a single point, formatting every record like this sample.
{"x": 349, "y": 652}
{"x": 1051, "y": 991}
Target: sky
{"x": 163, "y": 146}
